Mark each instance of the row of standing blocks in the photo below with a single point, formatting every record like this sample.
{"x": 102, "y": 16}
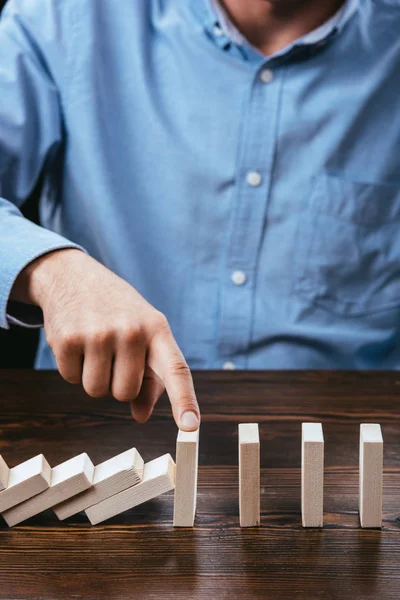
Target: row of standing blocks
{"x": 312, "y": 475}
{"x": 124, "y": 481}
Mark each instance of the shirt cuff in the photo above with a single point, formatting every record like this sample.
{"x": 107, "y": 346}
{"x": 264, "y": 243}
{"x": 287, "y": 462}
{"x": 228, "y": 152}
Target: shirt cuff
{"x": 24, "y": 315}
{"x": 18, "y": 313}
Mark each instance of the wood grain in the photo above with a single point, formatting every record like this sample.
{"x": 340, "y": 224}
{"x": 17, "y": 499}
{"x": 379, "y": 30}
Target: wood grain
{"x": 138, "y": 554}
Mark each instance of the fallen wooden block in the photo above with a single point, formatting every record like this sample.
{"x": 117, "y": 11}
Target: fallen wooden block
{"x": 158, "y": 478}
{"x": 249, "y": 475}
{"x": 187, "y": 456}
{"x": 110, "y": 477}
{"x": 4, "y": 474}
{"x": 312, "y": 475}
{"x": 371, "y": 475}
{"x": 25, "y": 481}
{"x": 67, "y": 479}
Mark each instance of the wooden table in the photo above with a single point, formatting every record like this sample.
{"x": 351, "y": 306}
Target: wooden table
{"x": 139, "y": 555}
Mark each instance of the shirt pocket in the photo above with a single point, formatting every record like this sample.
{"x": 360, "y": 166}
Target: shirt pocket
{"x": 348, "y": 247}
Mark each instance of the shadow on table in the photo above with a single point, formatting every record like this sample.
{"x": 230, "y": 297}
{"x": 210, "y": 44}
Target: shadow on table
{"x": 298, "y": 563}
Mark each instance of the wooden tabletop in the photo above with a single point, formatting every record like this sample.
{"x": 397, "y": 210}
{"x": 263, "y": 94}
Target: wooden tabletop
{"x": 139, "y": 555}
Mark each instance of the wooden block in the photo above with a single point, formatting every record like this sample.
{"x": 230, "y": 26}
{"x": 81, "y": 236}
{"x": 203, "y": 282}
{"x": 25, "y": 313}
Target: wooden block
{"x": 158, "y": 478}
{"x": 4, "y": 474}
{"x": 187, "y": 456}
{"x": 67, "y": 479}
{"x": 110, "y": 477}
{"x": 249, "y": 475}
{"x": 25, "y": 481}
{"x": 312, "y": 475}
{"x": 371, "y": 475}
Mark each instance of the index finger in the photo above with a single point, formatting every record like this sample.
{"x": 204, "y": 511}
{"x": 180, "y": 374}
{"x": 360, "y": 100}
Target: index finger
{"x": 167, "y": 361}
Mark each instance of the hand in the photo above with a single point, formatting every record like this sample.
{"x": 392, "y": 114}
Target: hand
{"x": 105, "y": 335}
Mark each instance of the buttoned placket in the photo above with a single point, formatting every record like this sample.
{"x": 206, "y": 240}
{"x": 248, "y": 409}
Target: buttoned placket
{"x": 253, "y": 171}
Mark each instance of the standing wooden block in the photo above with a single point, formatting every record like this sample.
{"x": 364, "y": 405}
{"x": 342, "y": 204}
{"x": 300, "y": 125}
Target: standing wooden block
{"x": 312, "y": 475}
{"x": 110, "y": 477}
{"x": 249, "y": 475}
{"x": 187, "y": 456}
{"x": 4, "y": 474}
{"x": 67, "y": 479}
{"x": 371, "y": 475}
{"x": 158, "y": 478}
{"x": 25, "y": 481}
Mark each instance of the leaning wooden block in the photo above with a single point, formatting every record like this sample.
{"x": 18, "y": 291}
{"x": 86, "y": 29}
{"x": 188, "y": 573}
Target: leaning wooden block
{"x": 110, "y": 477}
{"x": 249, "y": 475}
{"x": 4, "y": 473}
{"x": 187, "y": 456}
{"x": 312, "y": 475}
{"x": 67, "y": 479}
{"x": 25, "y": 481}
{"x": 158, "y": 478}
{"x": 371, "y": 475}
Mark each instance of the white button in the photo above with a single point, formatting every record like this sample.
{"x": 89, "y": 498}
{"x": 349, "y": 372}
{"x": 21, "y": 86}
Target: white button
{"x": 238, "y": 277}
{"x": 266, "y": 75}
{"x": 218, "y": 31}
{"x": 229, "y": 366}
{"x": 254, "y": 178}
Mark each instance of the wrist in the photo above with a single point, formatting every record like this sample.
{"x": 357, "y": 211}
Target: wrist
{"x": 37, "y": 278}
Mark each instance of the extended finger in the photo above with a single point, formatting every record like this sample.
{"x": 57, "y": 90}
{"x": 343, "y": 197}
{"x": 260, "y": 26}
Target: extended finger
{"x": 167, "y": 361}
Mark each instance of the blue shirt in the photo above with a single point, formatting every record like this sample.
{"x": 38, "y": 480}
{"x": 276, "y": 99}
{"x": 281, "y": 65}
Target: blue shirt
{"x": 254, "y": 200}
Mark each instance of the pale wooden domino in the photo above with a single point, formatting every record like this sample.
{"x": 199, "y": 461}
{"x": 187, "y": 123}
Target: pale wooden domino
{"x": 25, "y": 481}
{"x": 158, "y": 478}
{"x": 312, "y": 475}
{"x": 67, "y": 479}
{"x": 110, "y": 477}
{"x": 371, "y": 475}
{"x": 4, "y": 474}
{"x": 187, "y": 456}
{"x": 249, "y": 475}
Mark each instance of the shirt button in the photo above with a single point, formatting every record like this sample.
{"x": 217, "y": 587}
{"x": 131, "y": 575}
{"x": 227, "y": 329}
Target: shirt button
{"x": 266, "y": 75}
{"x": 229, "y": 366}
{"x": 238, "y": 277}
{"x": 254, "y": 178}
{"x": 218, "y": 31}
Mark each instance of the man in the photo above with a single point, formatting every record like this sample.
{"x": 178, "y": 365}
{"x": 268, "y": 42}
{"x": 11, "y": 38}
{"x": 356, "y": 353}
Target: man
{"x": 235, "y": 167}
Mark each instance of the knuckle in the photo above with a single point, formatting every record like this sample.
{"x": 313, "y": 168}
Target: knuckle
{"x": 95, "y": 391}
{"x": 99, "y": 336}
{"x": 123, "y": 396}
{"x": 132, "y": 334}
{"x": 125, "y": 393}
{"x": 159, "y": 322}
{"x": 66, "y": 340}
{"x": 180, "y": 368}
{"x": 188, "y": 403}
{"x": 71, "y": 378}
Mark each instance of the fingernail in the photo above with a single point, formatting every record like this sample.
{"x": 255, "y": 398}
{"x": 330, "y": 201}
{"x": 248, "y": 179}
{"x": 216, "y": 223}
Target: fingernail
{"x": 189, "y": 421}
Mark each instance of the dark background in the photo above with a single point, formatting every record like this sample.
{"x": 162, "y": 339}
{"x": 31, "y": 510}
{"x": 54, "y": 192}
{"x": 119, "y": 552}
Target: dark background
{"x": 18, "y": 345}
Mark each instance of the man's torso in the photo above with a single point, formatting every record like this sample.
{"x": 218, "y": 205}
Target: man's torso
{"x": 260, "y": 213}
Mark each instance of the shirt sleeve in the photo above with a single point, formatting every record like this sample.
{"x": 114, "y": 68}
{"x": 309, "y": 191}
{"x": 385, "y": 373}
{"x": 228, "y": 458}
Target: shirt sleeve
{"x": 31, "y": 133}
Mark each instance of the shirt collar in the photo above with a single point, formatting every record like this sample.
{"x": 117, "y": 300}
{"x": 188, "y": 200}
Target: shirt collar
{"x": 222, "y": 26}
